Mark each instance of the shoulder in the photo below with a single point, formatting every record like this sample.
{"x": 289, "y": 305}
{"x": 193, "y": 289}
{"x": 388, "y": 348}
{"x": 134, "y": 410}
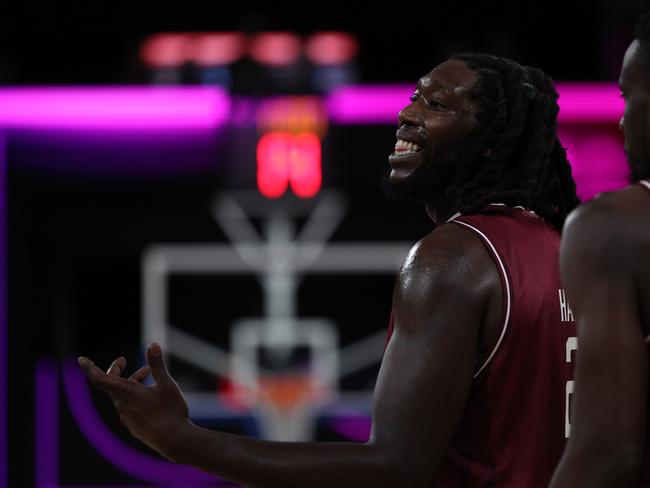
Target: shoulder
{"x": 448, "y": 266}
{"x": 595, "y": 216}
{"x": 450, "y": 252}
{"x": 605, "y": 229}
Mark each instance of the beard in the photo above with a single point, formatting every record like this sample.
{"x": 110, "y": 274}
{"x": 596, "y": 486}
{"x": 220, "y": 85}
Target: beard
{"x": 427, "y": 182}
{"x": 637, "y": 145}
{"x": 635, "y": 173}
{"x": 639, "y": 163}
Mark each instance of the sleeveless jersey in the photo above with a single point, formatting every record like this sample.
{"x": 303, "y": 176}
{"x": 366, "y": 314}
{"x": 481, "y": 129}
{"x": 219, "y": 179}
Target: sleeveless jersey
{"x": 516, "y": 420}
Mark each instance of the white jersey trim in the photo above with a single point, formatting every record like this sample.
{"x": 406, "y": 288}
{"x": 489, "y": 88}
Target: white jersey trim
{"x": 458, "y": 214}
{"x": 516, "y": 206}
{"x": 502, "y": 269}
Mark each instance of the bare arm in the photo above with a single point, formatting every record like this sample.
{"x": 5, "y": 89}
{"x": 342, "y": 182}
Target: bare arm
{"x": 421, "y": 392}
{"x": 605, "y": 448}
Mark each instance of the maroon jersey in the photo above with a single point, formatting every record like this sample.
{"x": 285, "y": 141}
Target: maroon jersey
{"x": 516, "y": 420}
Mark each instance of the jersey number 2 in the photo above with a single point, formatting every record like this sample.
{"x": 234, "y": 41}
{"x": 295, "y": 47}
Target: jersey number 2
{"x": 571, "y": 345}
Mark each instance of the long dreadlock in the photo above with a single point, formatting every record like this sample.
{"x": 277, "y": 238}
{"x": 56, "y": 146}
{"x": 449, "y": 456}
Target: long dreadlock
{"x": 516, "y": 157}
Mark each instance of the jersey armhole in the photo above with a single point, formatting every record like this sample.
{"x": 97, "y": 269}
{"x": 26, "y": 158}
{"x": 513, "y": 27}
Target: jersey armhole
{"x": 505, "y": 287}
{"x": 645, "y": 184}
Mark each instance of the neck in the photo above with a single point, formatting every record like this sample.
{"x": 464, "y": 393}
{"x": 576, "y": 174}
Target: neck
{"x": 440, "y": 210}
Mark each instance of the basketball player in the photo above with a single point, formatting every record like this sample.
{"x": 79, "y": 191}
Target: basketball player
{"x": 605, "y": 263}
{"x": 472, "y": 385}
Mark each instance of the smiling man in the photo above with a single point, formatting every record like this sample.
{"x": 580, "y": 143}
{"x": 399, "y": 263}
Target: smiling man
{"x": 605, "y": 264}
{"x": 471, "y": 391}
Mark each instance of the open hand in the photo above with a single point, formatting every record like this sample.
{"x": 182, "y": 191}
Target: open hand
{"x": 156, "y": 415}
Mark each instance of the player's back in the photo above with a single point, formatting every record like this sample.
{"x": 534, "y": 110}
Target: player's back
{"x": 628, "y": 211}
{"x": 641, "y": 223}
{"x": 514, "y": 427}
{"x": 641, "y": 215}
{"x": 644, "y": 253}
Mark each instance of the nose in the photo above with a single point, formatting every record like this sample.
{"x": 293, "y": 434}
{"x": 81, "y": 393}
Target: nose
{"x": 407, "y": 116}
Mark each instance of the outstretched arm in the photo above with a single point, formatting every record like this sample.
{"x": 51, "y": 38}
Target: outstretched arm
{"x": 608, "y": 418}
{"x": 421, "y": 391}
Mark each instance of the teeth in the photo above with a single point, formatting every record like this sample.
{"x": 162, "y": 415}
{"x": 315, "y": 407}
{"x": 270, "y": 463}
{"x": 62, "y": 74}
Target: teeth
{"x": 403, "y": 146}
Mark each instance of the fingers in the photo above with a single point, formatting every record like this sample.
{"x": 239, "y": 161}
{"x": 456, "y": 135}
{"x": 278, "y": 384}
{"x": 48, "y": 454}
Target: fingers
{"x": 107, "y": 382}
{"x": 117, "y": 367}
{"x": 157, "y": 364}
{"x": 141, "y": 375}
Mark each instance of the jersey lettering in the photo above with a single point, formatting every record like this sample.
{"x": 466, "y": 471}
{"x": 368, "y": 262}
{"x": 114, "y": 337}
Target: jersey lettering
{"x": 566, "y": 314}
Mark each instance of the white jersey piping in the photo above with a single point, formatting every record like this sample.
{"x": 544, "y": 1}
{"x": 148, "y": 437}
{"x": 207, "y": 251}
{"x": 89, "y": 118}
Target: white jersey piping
{"x": 502, "y": 269}
{"x": 516, "y": 206}
{"x": 458, "y": 214}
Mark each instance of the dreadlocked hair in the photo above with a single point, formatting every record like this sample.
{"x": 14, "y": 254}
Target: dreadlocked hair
{"x": 516, "y": 157}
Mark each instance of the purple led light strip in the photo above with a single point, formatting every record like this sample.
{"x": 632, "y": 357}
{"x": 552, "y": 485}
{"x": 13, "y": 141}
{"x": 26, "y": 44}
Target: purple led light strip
{"x": 380, "y": 104}
{"x": 142, "y": 108}
{"x": 46, "y": 426}
{"x": 176, "y": 108}
{"x": 4, "y": 361}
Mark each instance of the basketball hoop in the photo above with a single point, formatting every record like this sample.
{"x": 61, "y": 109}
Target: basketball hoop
{"x": 287, "y": 393}
{"x": 286, "y": 405}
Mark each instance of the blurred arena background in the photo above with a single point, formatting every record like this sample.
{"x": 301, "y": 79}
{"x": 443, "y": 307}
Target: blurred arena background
{"x": 210, "y": 179}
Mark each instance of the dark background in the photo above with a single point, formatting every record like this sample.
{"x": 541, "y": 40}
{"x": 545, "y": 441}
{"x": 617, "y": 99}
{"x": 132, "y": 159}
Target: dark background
{"x": 94, "y": 42}
{"x": 76, "y": 238}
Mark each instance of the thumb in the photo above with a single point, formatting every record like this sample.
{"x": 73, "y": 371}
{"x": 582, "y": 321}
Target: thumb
{"x": 157, "y": 364}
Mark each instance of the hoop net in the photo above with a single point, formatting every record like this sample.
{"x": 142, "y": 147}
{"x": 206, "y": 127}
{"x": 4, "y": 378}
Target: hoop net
{"x": 286, "y": 404}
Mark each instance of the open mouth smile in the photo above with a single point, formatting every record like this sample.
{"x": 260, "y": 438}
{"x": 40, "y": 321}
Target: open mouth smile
{"x": 403, "y": 148}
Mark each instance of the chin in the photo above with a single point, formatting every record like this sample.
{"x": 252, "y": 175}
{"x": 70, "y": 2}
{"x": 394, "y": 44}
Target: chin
{"x": 420, "y": 184}
{"x": 402, "y": 188}
{"x": 398, "y": 177}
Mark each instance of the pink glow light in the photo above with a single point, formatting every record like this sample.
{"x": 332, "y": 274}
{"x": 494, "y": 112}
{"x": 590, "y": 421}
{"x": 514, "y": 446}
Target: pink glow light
{"x": 597, "y": 160}
{"x": 165, "y": 50}
{"x": 590, "y": 102}
{"x": 380, "y": 104}
{"x": 114, "y": 108}
{"x": 277, "y": 49}
{"x": 218, "y": 48}
{"x": 331, "y": 48}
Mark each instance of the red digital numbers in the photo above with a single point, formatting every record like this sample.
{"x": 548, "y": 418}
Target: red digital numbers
{"x": 285, "y": 159}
